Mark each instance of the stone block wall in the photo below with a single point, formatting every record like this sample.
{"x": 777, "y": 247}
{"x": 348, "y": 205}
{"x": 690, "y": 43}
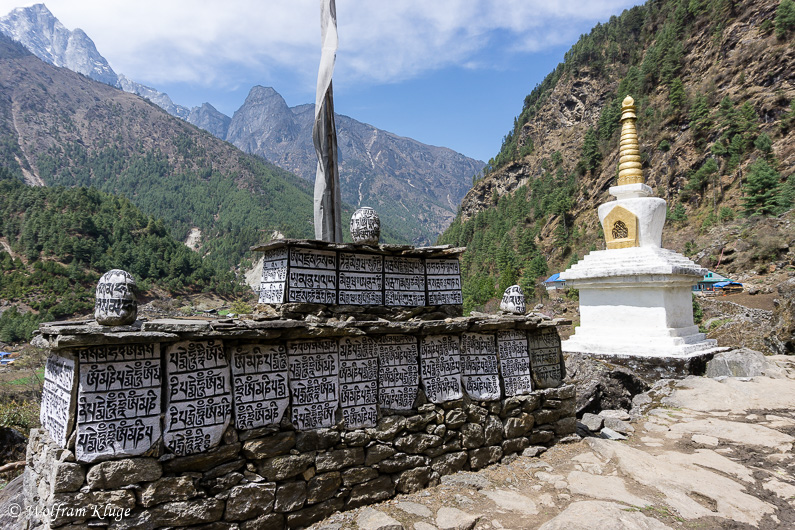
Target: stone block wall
{"x": 277, "y": 477}
{"x": 279, "y": 423}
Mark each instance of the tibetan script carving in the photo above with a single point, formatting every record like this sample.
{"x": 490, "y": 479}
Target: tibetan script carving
{"x": 514, "y": 362}
{"x": 314, "y": 382}
{"x": 259, "y": 382}
{"x": 480, "y": 367}
{"x": 199, "y": 401}
{"x": 365, "y": 226}
{"x": 361, "y": 279}
{"x": 274, "y": 276}
{"x": 359, "y": 381}
{"x": 546, "y": 358}
{"x": 118, "y": 403}
{"x": 440, "y": 368}
{"x": 398, "y": 372}
{"x": 312, "y": 276}
{"x": 404, "y": 281}
{"x": 56, "y": 398}
{"x": 513, "y": 300}
{"x": 444, "y": 282}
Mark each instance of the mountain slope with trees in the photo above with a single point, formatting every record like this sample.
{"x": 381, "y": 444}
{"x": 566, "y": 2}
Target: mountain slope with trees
{"x": 415, "y": 187}
{"x": 56, "y": 242}
{"x": 714, "y": 82}
{"x": 61, "y": 128}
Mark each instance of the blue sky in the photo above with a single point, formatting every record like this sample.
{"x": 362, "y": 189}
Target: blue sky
{"x": 452, "y": 73}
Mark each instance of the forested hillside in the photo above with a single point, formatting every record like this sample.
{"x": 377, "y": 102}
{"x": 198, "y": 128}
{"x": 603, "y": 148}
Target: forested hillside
{"x": 714, "y": 82}
{"x": 56, "y": 242}
{"x": 58, "y": 127}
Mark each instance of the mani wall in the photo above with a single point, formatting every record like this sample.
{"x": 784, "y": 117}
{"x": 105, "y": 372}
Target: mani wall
{"x": 279, "y": 423}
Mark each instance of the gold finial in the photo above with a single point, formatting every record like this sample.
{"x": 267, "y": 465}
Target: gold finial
{"x": 629, "y": 166}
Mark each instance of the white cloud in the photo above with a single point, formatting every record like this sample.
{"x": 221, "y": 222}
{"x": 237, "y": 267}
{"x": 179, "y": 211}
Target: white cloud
{"x": 206, "y": 41}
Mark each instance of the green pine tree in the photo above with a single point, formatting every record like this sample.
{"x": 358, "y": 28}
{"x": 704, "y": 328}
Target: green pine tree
{"x": 762, "y": 189}
{"x": 785, "y": 18}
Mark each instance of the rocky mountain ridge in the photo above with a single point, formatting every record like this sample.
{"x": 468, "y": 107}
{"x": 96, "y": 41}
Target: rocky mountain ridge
{"x": 415, "y": 187}
{"x": 37, "y": 29}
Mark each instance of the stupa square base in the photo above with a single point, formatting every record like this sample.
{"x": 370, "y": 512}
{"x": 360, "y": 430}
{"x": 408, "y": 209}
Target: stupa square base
{"x": 653, "y": 368}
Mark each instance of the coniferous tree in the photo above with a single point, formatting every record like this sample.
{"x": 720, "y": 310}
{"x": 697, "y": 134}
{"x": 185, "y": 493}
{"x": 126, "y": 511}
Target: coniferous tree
{"x": 762, "y": 188}
{"x": 785, "y": 18}
{"x": 591, "y": 155}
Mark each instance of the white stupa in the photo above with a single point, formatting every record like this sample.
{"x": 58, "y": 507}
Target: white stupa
{"x": 635, "y": 297}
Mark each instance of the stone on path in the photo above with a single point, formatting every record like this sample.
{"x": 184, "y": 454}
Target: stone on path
{"x": 455, "y": 519}
{"x": 743, "y": 362}
{"x": 592, "y": 421}
{"x": 703, "y": 439}
{"x": 712, "y": 460}
{"x": 618, "y": 425}
{"x": 615, "y": 414}
{"x": 605, "y": 487}
{"x": 587, "y": 515}
{"x": 414, "y": 508}
{"x": 782, "y": 489}
{"x": 424, "y": 526}
{"x": 681, "y": 485}
{"x": 512, "y": 501}
{"x": 610, "y": 434}
{"x": 739, "y": 433}
{"x": 737, "y": 396}
{"x": 467, "y": 479}
{"x": 372, "y": 519}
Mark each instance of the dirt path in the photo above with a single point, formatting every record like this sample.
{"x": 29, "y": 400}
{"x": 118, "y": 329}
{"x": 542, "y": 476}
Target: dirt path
{"x": 712, "y": 454}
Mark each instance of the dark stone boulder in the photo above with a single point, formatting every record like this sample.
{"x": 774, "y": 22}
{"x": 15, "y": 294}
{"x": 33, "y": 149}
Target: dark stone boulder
{"x": 601, "y": 385}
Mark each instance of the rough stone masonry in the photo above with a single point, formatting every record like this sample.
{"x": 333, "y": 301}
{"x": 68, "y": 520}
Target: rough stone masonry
{"x": 280, "y": 423}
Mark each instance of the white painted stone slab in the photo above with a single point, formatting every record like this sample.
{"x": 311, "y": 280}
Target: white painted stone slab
{"x": 513, "y": 300}
{"x": 313, "y": 368}
{"x": 259, "y": 384}
{"x": 312, "y": 277}
{"x": 444, "y": 281}
{"x": 398, "y": 374}
{"x": 118, "y": 401}
{"x": 546, "y": 358}
{"x": 274, "y": 276}
{"x": 58, "y": 398}
{"x": 480, "y": 366}
{"x": 361, "y": 279}
{"x": 198, "y": 396}
{"x": 359, "y": 381}
{"x": 365, "y": 226}
{"x": 514, "y": 362}
{"x": 404, "y": 281}
{"x": 440, "y": 368}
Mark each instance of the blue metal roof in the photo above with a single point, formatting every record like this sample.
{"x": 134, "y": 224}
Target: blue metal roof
{"x": 724, "y": 284}
{"x": 554, "y": 278}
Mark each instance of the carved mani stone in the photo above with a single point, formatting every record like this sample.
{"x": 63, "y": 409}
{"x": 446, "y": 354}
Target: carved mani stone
{"x": 116, "y": 303}
{"x": 365, "y": 226}
{"x": 513, "y": 300}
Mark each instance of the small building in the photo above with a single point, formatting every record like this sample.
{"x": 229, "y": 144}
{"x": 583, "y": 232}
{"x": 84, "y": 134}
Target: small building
{"x": 554, "y": 283}
{"x": 707, "y": 283}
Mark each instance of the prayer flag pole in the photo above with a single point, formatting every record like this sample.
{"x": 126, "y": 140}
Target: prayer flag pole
{"x": 327, "y": 204}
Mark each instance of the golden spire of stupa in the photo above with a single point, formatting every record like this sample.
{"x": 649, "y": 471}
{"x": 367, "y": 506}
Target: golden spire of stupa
{"x": 629, "y": 166}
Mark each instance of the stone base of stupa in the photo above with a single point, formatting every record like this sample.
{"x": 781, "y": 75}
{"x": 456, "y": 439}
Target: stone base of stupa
{"x": 636, "y": 301}
{"x": 653, "y": 368}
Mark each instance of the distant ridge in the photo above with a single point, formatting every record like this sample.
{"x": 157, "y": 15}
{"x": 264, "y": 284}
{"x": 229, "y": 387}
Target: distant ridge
{"x": 415, "y": 187}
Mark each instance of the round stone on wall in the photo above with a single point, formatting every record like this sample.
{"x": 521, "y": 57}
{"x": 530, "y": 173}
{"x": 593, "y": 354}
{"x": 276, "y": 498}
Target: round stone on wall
{"x": 365, "y": 226}
{"x": 513, "y": 300}
{"x": 116, "y": 303}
